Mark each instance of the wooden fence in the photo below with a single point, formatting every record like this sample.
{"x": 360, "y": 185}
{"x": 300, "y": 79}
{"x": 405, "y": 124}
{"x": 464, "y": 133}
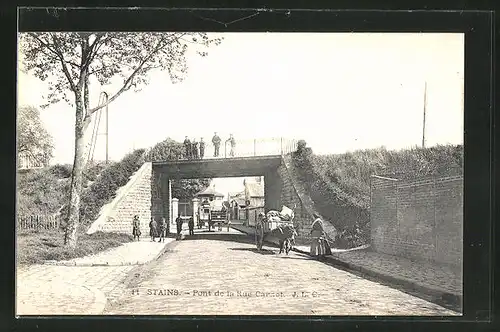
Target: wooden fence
{"x": 38, "y": 222}
{"x": 26, "y": 161}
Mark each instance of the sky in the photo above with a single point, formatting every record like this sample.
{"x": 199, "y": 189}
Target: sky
{"x": 338, "y": 91}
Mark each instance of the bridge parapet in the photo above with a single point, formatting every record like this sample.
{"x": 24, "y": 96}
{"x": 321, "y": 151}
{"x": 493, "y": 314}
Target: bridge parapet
{"x": 251, "y": 148}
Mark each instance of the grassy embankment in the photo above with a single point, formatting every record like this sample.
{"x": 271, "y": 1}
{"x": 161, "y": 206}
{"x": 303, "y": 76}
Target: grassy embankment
{"x": 339, "y": 185}
{"x": 45, "y": 192}
{"x": 34, "y": 247}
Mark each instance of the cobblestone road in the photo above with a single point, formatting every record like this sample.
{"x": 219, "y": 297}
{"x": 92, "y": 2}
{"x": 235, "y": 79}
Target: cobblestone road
{"x": 80, "y": 290}
{"x": 213, "y": 277}
{"x": 66, "y": 290}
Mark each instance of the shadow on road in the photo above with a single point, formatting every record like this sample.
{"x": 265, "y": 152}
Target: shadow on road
{"x": 220, "y": 236}
{"x": 262, "y": 252}
{"x": 302, "y": 257}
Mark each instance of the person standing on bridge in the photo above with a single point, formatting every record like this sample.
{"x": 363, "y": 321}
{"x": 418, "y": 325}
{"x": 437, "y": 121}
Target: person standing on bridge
{"x": 232, "y": 143}
{"x": 216, "y": 142}
{"x": 202, "y": 148}
{"x": 195, "y": 149}
{"x": 187, "y": 148}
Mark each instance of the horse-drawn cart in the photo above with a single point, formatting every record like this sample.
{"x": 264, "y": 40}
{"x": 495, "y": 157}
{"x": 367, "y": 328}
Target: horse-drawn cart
{"x": 277, "y": 225}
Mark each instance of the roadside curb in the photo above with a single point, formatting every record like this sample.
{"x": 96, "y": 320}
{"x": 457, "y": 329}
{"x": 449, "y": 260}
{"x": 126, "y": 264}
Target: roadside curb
{"x": 439, "y": 296}
{"x": 84, "y": 264}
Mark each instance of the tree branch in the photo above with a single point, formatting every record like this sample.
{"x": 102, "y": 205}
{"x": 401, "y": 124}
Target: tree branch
{"x": 22, "y": 148}
{"x": 126, "y": 84}
{"x": 47, "y": 46}
{"x": 93, "y": 49}
{"x": 63, "y": 64}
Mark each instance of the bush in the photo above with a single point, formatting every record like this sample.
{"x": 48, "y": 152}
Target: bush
{"x": 45, "y": 191}
{"x": 92, "y": 172}
{"x": 61, "y": 171}
{"x": 41, "y": 192}
{"x": 103, "y": 190}
{"x": 166, "y": 150}
{"x": 301, "y": 145}
{"x": 339, "y": 185}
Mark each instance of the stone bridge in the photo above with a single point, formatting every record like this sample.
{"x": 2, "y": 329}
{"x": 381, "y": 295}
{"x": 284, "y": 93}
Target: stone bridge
{"x": 164, "y": 172}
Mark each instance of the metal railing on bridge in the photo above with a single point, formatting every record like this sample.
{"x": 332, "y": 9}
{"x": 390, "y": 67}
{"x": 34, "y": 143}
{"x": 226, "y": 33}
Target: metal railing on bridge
{"x": 251, "y": 148}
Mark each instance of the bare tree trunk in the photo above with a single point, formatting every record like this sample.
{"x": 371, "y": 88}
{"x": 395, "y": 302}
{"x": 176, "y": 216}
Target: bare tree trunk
{"x": 81, "y": 123}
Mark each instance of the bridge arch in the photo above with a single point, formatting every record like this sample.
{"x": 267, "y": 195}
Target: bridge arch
{"x": 164, "y": 172}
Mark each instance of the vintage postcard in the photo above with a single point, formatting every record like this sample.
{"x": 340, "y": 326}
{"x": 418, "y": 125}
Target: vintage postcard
{"x": 170, "y": 173}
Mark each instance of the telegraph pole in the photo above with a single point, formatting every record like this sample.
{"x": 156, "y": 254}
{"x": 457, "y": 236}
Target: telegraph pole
{"x": 103, "y": 98}
{"x": 107, "y": 121}
{"x": 425, "y": 106}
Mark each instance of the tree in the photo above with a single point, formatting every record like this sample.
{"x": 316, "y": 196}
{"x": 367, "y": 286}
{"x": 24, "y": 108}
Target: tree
{"x": 69, "y": 61}
{"x": 166, "y": 150}
{"x": 187, "y": 188}
{"x": 172, "y": 150}
{"x": 33, "y": 139}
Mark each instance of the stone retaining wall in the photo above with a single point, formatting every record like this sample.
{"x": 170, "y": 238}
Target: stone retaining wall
{"x": 132, "y": 199}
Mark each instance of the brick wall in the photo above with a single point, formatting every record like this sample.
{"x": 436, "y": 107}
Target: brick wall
{"x": 132, "y": 199}
{"x": 419, "y": 219}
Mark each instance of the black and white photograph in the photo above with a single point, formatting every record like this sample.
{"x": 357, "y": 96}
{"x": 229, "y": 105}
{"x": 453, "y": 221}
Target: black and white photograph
{"x": 239, "y": 173}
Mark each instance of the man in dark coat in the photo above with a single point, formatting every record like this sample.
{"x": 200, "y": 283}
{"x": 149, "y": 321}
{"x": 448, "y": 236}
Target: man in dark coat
{"x": 187, "y": 148}
{"x": 153, "y": 229}
{"x": 191, "y": 226}
{"x": 259, "y": 231}
{"x": 136, "y": 228}
{"x": 216, "y": 141}
{"x": 195, "y": 149}
{"x": 202, "y": 148}
{"x": 178, "y": 221}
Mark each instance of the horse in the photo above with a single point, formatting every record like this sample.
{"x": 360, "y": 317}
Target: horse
{"x": 286, "y": 236}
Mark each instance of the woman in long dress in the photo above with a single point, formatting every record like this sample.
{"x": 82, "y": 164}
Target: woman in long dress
{"x": 318, "y": 246}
